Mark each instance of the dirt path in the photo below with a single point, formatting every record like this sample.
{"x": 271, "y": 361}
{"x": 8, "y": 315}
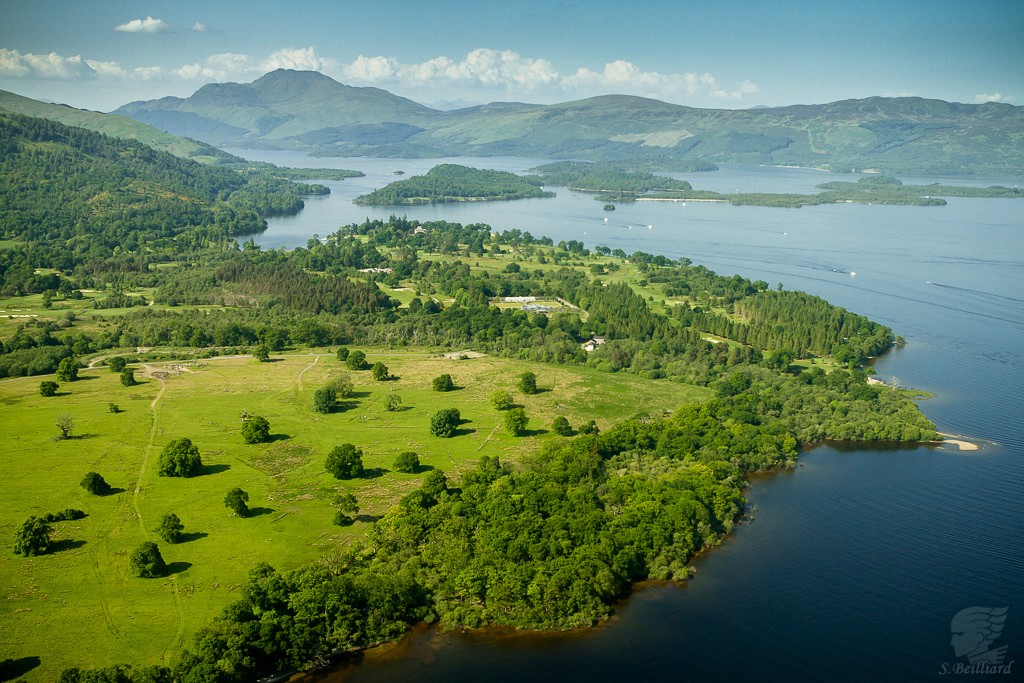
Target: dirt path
{"x": 149, "y": 445}
{"x": 303, "y": 372}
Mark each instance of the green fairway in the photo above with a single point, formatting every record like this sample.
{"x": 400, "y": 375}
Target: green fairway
{"x": 85, "y": 592}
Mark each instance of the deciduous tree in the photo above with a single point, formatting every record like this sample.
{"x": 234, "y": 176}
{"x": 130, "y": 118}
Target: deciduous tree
{"x": 236, "y": 500}
{"x": 179, "y": 458}
{"x": 345, "y": 461}
{"x": 170, "y": 528}
{"x": 147, "y": 562}
{"x": 256, "y": 429}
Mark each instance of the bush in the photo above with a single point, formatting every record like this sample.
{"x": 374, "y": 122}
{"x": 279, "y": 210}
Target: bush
{"x": 407, "y": 462}
{"x": 379, "y": 372}
{"x": 256, "y": 430}
{"x": 67, "y": 370}
{"x": 147, "y": 562}
{"x": 356, "y": 360}
{"x": 443, "y": 383}
{"x": 33, "y": 538}
{"x": 528, "y": 383}
{"x": 393, "y": 403}
{"x": 95, "y": 484}
{"x": 261, "y": 353}
{"x": 324, "y": 400}
{"x": 561, "y": 426}
{"x": 179, "y": 458}
{"x": 589, "y": 428}
{"x": 342, "y": 387}
{"x": 345, "y": 461}
{"x": 501, "y": 399}
{"x": 65, "y": 515}
{"x": 515, "y": 421}
{"x": 117, "y": 363}
{"x": 128, "y": 377}
{"x": 444, "y": 423}
{"x": 170, "y": 528}
{"x": 236, "y": 500}
{"x": 343, "y": 354}
{"x": 48, "y": 388}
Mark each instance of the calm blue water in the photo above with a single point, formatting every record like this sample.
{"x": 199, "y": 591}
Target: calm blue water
{"x": 859, "y": 558}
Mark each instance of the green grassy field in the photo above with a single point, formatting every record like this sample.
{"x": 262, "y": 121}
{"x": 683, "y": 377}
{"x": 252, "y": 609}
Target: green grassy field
{"x": 80, "y": 605}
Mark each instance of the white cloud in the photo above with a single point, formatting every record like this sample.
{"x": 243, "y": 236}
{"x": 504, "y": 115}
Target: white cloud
{"x": 302, "y": 59}
{"x": 624, "y": 77}
{"x": 483, "y": 66}
{"x": 994, "y": 97}
{"x": 53, "y": 65}
{"x": 200, "y": 27}
{"x": 147, "y": 25}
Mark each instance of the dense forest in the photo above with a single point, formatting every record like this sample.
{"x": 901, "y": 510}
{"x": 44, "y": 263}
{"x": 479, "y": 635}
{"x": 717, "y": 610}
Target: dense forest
{"x": 549, "y": 542}
{"x": 454, "y": 183}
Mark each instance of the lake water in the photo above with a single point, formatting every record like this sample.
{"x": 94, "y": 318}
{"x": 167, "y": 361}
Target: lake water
{"x": 859, "y": 558}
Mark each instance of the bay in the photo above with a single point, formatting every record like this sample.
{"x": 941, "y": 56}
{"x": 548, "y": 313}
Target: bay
{"x": 859, "y": 558}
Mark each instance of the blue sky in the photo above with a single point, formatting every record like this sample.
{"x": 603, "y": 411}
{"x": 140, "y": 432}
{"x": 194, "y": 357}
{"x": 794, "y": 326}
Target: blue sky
{"x": 735, "y": 54}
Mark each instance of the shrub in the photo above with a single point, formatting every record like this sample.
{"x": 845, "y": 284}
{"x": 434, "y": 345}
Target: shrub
{"x": 33, "y": 538}
{"x": 256, "y": 429}
{"x": 179, "y": 458}
{"x": 236, "y": 500}
{"x": 356, "y": 360}
{"x": 128, "y": 377}
{"x": 95, "y": 484}
{"x": 345, "y": 461}
{"x": 117, "y": 363}
{"x": 170, "y": 528}
{"x": 589, "y": 428}
{"x": 501, "y": 399}
{"x": 379, "y": 372}
{"x": 561, "y": 426}
{"x": 528, "y": 383}
{"x": 343, "y": 354}
{"x": 443, "y": 383}
{"x": 261, "y": 353}
{"x": 407, "y": 462}
{"x": 393, "y": 403}
{"x": 445, "y": 422}
{"x": 147, "y": 562}
{"x": 515, "y": 421}
{"x": 48, "y": 388}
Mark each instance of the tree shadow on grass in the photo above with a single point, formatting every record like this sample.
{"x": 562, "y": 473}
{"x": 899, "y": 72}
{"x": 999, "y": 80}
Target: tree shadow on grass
{"x": 534, "y": 432}
{"x": 13, "y": 669}
{"x": 114, "y": 490}
{"x": 278, "y": 437}
{"x": 374, "y": 472}
{"x": 192, "y": 536}
{"x": 66, "y": 544}
{"x": 359, "y": 394}
{"x": 212, "y": 469}
{"x": 463, "y": 432}
{"x": 368, "y": 519}
{"x": 178, "y": 567}
{"x": 420, "y": 469}
{"x": 344, "y": 406}
{"x": 259, "y": 512}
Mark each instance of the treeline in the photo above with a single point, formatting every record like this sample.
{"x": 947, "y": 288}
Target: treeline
{"x": 452, "y": 183}
{"x": 607, "y": 177}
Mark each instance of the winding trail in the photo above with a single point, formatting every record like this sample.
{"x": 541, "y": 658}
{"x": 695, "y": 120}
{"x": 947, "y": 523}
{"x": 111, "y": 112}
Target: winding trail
{"x": 149, "y": 446}
{"x": 303, "y": 371}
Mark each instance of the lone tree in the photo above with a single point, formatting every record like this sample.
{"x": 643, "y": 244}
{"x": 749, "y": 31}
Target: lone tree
{"x": 48, "y": 388}
{"x": 343, "y": 354}
{"x": 95, "y": 484}
{"x": 501, "y": 399}
{"x": 170, "y": 528}
{"x": 324, "y": 400}
{"x": 33, "y": 538}
{"x": 443, "y": 383}
{"x": 65, "y": 423}
{"x": 117, "y": 363}
{"x": 67, "y": 370}
{"x": 445, "y": 422}
{"x": 561, "y": 426}
{"x": 515, "y": 421}
{"x": 261, "y": 353}
{"x": 236, "y": 500}
{"x": 393, "y": 403}
{"x": 356, "y": 360}
{"x": 407, "y": 462}
{"x": 345, "y": 461}
{"x": 147, "y": 562}
{"x": 128, "y": 377}
{"x": 528, "y": 383}
{"x": 179, "y": 458}
{"x": 256, "y": 429}
{"x": 347, "y": 506}
{"x": 379, "y": 372}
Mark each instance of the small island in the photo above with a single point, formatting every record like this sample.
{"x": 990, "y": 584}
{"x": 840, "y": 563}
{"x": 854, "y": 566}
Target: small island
{"x": 447, "y": 183}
